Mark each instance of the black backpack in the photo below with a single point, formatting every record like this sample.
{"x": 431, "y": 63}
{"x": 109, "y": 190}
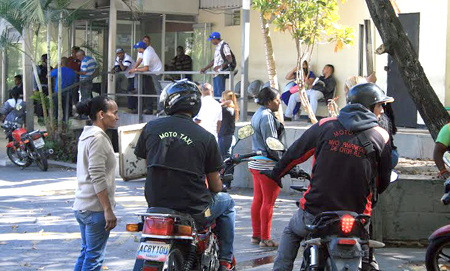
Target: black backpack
{"x": 232, "y": 65}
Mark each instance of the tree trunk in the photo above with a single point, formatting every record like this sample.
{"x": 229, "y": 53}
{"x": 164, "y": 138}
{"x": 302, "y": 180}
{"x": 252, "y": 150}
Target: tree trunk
{"x": 60, "y": 105}
{"x": 270, "y": 60}
{"x": 397, "y": 44}
{"x": 49, "y": 80}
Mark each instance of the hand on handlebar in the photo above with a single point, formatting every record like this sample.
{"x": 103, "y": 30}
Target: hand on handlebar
{"x": 270, "y": 175}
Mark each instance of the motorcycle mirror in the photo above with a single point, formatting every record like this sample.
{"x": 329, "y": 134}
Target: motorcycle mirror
{"x": 245, "y": 131}
{"x": 275, "y": 144}
{"x": 394, "y": 176}
{"x": 446, "y": 158}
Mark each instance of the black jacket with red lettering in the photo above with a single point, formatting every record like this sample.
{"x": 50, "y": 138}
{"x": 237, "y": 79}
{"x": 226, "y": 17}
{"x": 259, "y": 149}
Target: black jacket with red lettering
{"x": 342, "y": 172}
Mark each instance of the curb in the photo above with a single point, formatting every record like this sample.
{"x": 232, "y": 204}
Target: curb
{"x": 62, "y": 164}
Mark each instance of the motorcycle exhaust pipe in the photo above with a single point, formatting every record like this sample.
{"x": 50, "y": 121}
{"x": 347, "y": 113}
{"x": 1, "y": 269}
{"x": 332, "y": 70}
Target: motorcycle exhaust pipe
{"x": 50, "y": 151}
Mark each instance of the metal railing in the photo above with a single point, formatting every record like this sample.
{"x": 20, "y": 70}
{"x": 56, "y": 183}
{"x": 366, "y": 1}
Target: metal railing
{"x": 140, "y": 95}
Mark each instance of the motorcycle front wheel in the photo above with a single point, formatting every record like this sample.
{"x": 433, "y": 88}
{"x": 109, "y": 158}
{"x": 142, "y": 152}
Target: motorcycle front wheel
{"x": 41, "y": 160}
{"x": 438, "y": 254}
{"x": 17, "y": 159}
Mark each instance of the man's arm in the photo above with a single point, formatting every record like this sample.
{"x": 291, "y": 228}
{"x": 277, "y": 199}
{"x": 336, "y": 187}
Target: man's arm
{"x": 214, "y": 182}
{"x": 138, "y": 63}
{"x": 207, "y": 66}
{"x": 140, "y": 150}
{"x": 219, "y": 123}
{"x": 330, "y": 86}
{"x": 300, "y": 151}
{"x": 442, "y": 143}
{"x": 141, "y": 69}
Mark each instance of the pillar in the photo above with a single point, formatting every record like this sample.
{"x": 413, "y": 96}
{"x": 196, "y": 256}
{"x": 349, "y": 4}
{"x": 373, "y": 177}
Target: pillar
{"x": 112, "y": 34}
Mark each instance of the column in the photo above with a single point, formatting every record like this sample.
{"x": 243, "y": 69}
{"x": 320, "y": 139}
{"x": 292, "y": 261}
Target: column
{"x": 28, "y": 77}
{"x": 244, "y": 57}
{"x": 112, "y": 45}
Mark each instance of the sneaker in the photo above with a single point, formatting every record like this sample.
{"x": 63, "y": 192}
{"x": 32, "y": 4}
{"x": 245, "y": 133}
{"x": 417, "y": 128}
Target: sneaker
{"x": 287, "y": 118}
{"x": 226, "y": 266}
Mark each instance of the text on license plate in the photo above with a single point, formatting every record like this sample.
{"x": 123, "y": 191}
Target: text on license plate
{"x": 153, "y": 251}
{"x": 39, "y": 143}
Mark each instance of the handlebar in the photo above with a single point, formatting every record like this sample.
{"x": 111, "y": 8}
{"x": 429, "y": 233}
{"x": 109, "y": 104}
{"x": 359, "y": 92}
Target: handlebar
{"x": 239, "y": 157}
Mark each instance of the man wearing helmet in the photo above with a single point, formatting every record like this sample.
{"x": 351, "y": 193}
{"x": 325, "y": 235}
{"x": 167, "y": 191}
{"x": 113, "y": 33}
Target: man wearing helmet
{"x": 179, "y": 154}
{"x": 352, "y": 163}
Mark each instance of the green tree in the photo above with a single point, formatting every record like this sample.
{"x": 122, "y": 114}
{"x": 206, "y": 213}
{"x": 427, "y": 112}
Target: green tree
{"x": 309, "y": 22}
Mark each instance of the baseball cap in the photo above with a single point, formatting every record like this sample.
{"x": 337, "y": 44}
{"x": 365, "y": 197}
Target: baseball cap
{"x": 214, "y": 35}
{"x": 140, "y": 44}
{"x": 119, "y": 50}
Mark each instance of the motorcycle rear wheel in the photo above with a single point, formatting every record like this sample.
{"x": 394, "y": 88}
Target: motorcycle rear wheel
{"x": 41, "y": 160}
{"x": 15, "y": 158}
{"x": 436, "y": 257}
{"x": 175, "y": 260}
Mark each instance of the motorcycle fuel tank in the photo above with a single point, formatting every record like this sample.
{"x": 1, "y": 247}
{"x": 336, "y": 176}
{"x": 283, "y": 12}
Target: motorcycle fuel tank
{"x": 18, "y": 133}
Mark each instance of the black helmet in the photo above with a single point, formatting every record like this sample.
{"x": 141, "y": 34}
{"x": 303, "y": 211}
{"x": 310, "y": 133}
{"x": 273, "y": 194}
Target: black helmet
{"x": 367, "y": 94}
{"x": 182, "y": 96}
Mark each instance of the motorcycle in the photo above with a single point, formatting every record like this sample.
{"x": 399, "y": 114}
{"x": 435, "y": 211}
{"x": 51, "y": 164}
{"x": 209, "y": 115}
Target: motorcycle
{"x": 25, "y": 147}
{"x": 337, "y": 240}
{"x": 437, "y": 256}
{"x": 175, "y": 241}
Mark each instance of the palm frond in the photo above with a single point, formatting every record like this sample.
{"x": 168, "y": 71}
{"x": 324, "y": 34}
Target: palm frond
{"x": 10, "y": 12}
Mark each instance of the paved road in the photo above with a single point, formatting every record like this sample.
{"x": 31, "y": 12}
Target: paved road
{"x": 38, "y": 230}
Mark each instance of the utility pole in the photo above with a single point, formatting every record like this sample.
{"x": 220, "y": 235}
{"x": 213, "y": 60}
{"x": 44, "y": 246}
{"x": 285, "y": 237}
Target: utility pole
{"x": 245, "y": 57}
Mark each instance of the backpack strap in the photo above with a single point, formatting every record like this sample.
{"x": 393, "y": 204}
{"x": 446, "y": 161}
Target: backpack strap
{"x": 222, "y": 54}
{"x": 374, "y": 158}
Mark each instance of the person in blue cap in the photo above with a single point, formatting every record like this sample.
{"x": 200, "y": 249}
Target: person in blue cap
{"x": 151, "y": 63}
{"x": 223, "y": 59}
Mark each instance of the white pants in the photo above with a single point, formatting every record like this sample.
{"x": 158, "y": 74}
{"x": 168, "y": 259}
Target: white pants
{"x": 313, "y": 96}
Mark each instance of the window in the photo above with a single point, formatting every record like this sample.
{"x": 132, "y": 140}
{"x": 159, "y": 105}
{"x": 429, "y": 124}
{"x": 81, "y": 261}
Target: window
{"x": 233, "y": 17}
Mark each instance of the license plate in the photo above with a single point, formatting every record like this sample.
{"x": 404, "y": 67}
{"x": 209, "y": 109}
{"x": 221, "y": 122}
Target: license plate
{"x": 153, "y": 251}
{"x": 39, "y": 143}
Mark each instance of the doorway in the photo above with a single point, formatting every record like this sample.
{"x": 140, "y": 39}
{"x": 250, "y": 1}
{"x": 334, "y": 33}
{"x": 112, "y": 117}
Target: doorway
{"x": 404, "y": 108}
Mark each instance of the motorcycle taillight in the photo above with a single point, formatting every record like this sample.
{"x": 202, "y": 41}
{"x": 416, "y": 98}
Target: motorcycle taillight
{"x": 36, "y": 136}
{"x": 347, "y": 222}
{"x": 158, "y": 226}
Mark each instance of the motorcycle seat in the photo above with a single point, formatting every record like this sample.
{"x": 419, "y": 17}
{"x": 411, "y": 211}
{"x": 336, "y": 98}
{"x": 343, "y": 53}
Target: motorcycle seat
{"x": 162, "y": 210}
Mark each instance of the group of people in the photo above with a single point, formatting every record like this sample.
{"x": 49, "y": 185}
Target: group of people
{"x": 183, "y": 168}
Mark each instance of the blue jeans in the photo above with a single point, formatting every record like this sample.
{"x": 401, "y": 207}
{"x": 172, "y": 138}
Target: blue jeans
{"x": 93, "y": 240}
{"x": 219, "y": 85}
{"x": 222, "y": 211}
{"x": 225, "y": 143}
{"x": 394, "y": 158}
{"x": 290, "y": 241}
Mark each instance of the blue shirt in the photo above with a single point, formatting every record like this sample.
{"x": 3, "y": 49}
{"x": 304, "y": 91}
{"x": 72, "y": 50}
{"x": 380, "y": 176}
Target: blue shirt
{"x": 69, "y": 77}
{"x": 89, "y": 66}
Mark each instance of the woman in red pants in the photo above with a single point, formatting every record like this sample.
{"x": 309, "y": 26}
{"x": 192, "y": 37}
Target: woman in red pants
{"x": 266, "y": 191}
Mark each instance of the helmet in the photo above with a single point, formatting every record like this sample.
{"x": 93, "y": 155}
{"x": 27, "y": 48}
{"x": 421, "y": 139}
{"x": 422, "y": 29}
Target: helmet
{"x": 182, "y": 96}
{"x": 367, "y": 94}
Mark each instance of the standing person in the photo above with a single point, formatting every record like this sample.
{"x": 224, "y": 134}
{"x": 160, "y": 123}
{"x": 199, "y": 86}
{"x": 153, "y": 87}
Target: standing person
{"x": 210, "y": 114}
{"x": 18, "y": 86}
{"x": 223, "y": 57}
{"x": 265, "y": 192}
{"x": 151, "y": 63}
{"x": 75, "y": 65}
{"x": 352, "y": 165}
{"x": 87, "y": 70}
{"x": 94, "y": 198}
{"x": 182, "y": 62}
{"x": 230, "y": 114}
{"x": 177, "y": 165}
{"x": 323, "y": 87}
{"x": 124, "y": 63}
{"x": 42, "y": 72}
{"x": 68, "y": 78}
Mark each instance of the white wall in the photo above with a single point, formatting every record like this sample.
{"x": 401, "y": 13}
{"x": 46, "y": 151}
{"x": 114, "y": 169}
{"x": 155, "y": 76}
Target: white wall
{"x": 432, "y": 51}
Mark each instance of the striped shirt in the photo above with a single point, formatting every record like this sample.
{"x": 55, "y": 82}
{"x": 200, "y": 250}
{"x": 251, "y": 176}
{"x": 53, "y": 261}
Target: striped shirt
{"x": 89, "y": 66}
{"x": 265, "y": 125}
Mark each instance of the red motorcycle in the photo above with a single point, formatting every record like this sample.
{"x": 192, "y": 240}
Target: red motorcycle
{"x": 438, "y": 251}
{"x": 25, "y": 147}
{"x": 175, "y": 241}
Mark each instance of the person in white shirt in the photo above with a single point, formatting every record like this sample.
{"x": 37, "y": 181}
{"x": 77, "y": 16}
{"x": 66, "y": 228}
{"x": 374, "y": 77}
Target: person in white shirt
{"x": 151, "y": 63}
{"x": 219, "y": 62}
{"x": 124, "y": 63}
{"x": 210, "y": 114}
